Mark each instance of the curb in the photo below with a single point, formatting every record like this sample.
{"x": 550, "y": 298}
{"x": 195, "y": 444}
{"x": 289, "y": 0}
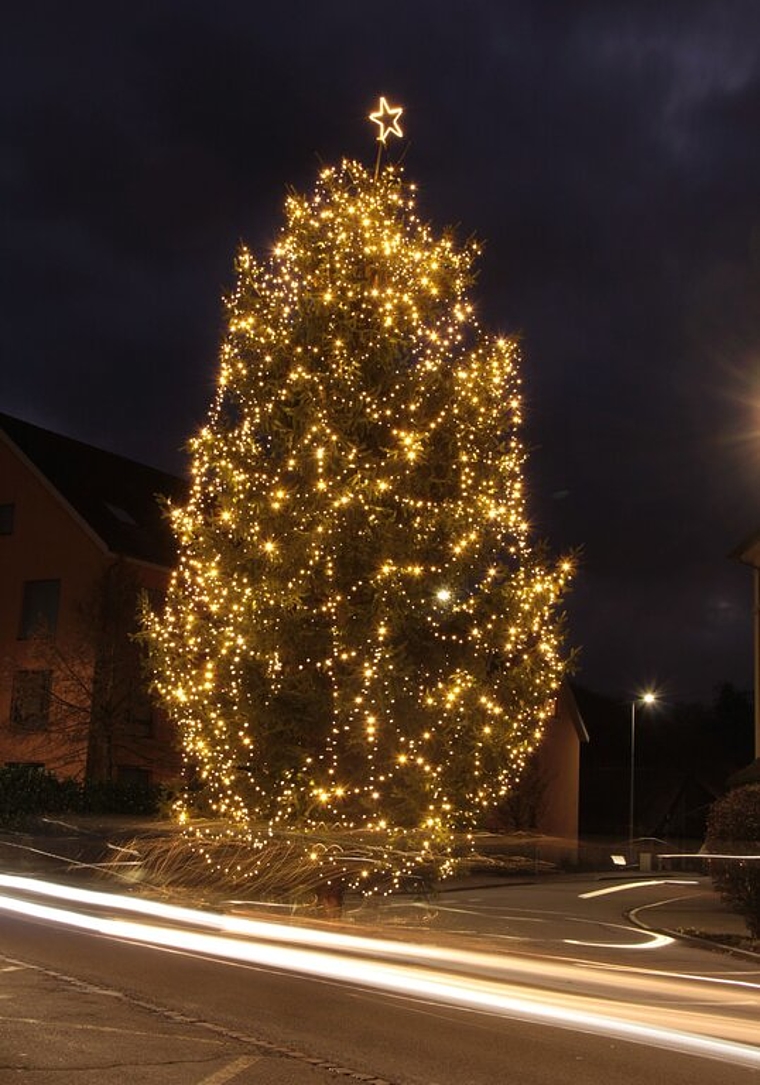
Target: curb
{"x": 696, "y": 940}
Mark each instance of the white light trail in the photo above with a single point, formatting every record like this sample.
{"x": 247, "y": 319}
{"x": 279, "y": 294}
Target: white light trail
{"x": 621, "y": 887}
{"x": 752, "y": 857}
{"x": 654, "y": 941}
{"x": 337, "y": 957}
{"x": 270, "y": 930}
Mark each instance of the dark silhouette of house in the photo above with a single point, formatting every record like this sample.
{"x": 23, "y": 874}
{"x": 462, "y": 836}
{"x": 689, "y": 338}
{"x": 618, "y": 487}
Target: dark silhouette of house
{"x": 685, "y": 757}
{"x": 749, "y": 553}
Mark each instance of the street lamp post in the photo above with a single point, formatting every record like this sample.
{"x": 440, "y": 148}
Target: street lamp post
{"x": 645, "y": 699}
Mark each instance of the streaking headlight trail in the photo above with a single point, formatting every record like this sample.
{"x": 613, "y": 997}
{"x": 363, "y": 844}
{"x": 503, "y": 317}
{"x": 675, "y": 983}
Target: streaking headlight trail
{"x": 397, "y": 968}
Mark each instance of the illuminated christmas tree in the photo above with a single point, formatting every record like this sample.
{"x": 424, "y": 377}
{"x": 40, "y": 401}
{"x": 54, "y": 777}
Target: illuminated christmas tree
{"x": 360, "y": 632}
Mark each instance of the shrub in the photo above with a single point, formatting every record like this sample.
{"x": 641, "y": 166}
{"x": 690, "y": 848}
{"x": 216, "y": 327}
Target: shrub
{"x": 26, "y": 792}
{"x": 733, "y": 828}
{"x": 115, "y": 797}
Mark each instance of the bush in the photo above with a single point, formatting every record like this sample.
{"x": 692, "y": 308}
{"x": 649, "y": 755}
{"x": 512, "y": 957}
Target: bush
{"x": 121, "y": 798}
{"x": 733, "y": 828}
{"x": 27, "y": 793}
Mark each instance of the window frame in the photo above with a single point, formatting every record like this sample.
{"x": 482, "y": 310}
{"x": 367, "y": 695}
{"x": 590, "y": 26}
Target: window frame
{"x": 7, "y": 517}
{"x": 21, "y": 720}
{"x": 39, "y": 611}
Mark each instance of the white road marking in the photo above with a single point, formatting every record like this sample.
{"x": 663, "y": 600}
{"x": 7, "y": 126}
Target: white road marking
{"x": 228, "y": 1072}
{"x": 654, "y": 941}
{"x": 635, "y": 885}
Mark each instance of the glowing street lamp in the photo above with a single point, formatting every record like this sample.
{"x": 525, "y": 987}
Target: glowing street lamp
{"x": 647, "y": 698}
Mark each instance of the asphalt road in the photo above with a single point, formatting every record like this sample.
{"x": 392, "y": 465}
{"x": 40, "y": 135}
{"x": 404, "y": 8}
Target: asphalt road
{"x": 80, "y": 1006}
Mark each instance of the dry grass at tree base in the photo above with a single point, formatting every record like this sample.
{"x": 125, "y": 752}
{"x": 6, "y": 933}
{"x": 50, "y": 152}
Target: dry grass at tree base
{"x": 298, "y": 869}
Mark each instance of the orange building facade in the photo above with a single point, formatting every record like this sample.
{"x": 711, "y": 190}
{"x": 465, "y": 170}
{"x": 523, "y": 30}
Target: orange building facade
{"x": 81, "y": 536}
{"x": 559, "y": 764}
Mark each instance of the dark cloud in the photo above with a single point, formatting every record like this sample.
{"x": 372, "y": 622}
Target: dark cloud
{"x": 607, "y": 154}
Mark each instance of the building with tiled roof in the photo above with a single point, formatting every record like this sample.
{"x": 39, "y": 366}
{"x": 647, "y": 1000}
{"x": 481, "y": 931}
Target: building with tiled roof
{"x": 82, "y": 535}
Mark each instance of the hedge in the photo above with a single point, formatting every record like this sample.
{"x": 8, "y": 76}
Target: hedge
{"x": 26, "y": 793}
{"x": 733, "y": 828}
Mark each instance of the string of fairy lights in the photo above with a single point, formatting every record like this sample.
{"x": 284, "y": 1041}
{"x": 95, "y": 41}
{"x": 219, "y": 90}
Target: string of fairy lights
{"x": 359, "y": 633}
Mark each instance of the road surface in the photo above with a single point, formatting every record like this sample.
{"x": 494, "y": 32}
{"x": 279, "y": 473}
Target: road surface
{"x": 526, "y": 984}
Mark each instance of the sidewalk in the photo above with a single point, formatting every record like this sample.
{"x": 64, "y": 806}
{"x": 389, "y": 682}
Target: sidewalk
{"x": 701, "y": 918}
{"x": 56, "y": 1029}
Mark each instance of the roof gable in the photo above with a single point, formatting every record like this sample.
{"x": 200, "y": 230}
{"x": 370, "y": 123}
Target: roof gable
{"x": 116, "y": 497}
{"x": 749, "y": 550}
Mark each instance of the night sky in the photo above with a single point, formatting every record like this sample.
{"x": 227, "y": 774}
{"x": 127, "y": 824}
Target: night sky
{"x": 607, "y": 155}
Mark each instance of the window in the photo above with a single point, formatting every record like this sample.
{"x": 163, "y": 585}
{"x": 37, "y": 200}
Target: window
{"x": 141, "y": 715}
{"x": 39, "y": 609}
{"x": 156, "y": 598}
{"x": 133, "y": 776}
{"x": 121, "y": 514}
{"x": 30, "y": 700}
{"x": 6, "y": 519}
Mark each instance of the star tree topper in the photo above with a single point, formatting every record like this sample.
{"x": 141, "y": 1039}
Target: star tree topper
{"x": 386, "y": 118}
